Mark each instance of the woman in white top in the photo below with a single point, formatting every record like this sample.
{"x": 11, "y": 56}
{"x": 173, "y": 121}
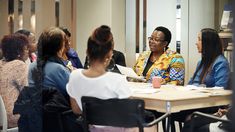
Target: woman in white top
{"x": 96, "y": 81}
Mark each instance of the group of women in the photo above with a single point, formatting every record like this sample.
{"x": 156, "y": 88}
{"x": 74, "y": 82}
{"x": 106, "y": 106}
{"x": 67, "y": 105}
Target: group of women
{"x": 212, "y": 70}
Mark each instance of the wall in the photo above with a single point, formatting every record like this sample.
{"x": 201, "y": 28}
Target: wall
{"x": 162, "y": 13}
{"x": 118, "y": 24}
{"x": 93, "y": 13}
{"x": 45, "y": 15}
{"x": 184, "y": 35}
{"x": 130, "y": 32}
{"x": 4, "y": 16}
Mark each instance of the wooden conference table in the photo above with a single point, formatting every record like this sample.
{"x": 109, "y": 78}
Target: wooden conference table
{"x": 172, "y": 99}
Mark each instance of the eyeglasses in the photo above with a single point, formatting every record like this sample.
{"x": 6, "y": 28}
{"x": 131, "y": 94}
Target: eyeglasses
{"x": 155, "y": 40}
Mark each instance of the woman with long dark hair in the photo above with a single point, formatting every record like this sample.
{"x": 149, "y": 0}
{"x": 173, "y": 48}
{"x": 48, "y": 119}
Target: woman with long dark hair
{"x": 46, "y": 98}
{"x": 213, "y": 68}
{"x": 53, "y": 71}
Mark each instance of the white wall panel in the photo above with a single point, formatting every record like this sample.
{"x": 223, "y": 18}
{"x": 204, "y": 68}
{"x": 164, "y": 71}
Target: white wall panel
{"x": 93, "y": 13}
{"x": 130, "y": 32}
{"x": 162, "y": 13}
{"x": 118, "y": 24}
{"x": 184, "y": 35}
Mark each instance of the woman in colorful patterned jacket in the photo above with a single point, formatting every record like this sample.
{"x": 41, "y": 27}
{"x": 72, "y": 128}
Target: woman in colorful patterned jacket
{"x": 160, "y": 60}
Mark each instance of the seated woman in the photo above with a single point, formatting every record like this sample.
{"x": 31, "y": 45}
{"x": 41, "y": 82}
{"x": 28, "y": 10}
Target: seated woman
{"x": 160, "y": 60}
{"x": 70, "y": 56}
{"x": 13, "y": 72}
{"x": 32, "y": 44}
{"x": 51, "y": 45}
{"x": 96, "y": 81}
{"x": 213, "y": 68}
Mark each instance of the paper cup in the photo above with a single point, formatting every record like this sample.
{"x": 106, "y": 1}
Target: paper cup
{"x": 156, "y": 81}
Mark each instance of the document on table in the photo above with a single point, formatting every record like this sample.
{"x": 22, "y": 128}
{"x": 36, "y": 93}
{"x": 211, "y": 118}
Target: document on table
{"x": 197, "y": 88}
{"x": 129, "y": 72}
{"x": 143, "y": 88}
{"x": 212, "y": 91}
{"x": 193, "y": 87}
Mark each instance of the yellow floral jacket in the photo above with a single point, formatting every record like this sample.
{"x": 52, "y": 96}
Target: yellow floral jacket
{"x": 170, "y": 66}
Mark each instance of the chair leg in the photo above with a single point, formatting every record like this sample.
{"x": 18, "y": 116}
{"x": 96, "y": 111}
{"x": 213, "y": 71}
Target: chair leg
{"x": 167, "y": 125}
{"x": 164, "y": 125}
{"x": 180, "y": 126}
{"x": 172, "y": 125}
{"x": 141, "y": 129}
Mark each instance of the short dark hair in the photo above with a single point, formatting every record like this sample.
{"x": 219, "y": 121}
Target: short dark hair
{"x": 99, "y": 43}
{"x": 167, "y": 33}
{"x": 13, "y": 46}
{"x": 66, "y": 31}
{"x": 24, "y": 32}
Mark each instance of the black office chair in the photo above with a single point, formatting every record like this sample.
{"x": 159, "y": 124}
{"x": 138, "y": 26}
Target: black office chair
{"x": 125, "y": 113}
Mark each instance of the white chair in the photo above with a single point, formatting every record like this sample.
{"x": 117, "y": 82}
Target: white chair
{"x": 3, "y": 119}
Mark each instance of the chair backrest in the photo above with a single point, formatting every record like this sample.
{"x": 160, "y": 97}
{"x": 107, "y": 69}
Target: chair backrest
{"x": 3, "y": 116}
{"x": 3, "y": 119}
{"x": 113, "y": 112}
